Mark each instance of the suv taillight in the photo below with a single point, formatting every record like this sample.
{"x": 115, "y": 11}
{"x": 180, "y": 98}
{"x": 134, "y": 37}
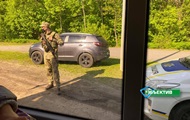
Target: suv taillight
{"x": 98, "y": 43}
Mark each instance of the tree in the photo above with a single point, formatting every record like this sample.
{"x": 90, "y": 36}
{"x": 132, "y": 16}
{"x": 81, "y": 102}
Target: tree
{"x": 56, "y": 10}
{"x": 113, "y": 14}
{"x": 167, "y": 23}
{"x": 3, "y": 28}
{"x": 23, "y": 17}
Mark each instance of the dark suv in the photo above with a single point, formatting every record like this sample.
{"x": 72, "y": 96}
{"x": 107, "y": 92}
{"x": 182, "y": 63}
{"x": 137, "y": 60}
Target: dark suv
{"x": 84, "y": 48}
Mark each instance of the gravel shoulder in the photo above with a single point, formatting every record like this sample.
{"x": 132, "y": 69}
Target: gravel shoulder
{"x": 19, "y": 48}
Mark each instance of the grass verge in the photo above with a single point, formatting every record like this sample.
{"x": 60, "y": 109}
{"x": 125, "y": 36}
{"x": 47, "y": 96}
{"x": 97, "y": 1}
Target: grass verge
{"x": 18, "y": 42}
{"x": 106, "y": 69}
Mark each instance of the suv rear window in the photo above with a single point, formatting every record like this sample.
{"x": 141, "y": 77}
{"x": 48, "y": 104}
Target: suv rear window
{"x": 76, "y": 38}
{"x": 102, "y": 40}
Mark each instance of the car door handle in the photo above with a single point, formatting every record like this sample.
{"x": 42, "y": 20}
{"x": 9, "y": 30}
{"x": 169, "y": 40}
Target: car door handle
{"x": 80, "y": 45}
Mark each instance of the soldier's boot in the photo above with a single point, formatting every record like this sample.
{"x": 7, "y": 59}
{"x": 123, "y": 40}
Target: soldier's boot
{"x": 49, "y": 86}
{"x": 58, "y": 91}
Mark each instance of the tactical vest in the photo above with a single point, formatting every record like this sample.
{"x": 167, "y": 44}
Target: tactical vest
{"x": 54, "y": 45}
{"x": 53, "y": 42}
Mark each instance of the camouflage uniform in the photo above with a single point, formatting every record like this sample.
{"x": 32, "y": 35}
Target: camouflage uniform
{"x": 51, "y": 62}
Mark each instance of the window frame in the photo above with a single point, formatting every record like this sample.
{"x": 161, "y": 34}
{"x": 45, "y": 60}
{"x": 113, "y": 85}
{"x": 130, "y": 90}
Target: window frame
{"x": 135, "y": 55}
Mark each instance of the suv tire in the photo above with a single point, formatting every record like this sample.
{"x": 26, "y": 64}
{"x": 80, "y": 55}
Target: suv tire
{"x": 37, "y": 57}
{"x": 86, "y": 60}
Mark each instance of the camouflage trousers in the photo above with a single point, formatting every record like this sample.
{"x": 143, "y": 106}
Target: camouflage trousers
{"x": 51, "y": 66}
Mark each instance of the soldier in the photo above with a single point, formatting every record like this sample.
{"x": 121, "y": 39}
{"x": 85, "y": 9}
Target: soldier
{"x": 51, "y": 58}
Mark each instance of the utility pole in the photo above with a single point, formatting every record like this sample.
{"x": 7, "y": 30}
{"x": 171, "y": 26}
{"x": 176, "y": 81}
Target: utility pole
{"x": 122, "y": 35}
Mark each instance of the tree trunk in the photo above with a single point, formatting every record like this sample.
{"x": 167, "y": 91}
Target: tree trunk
{"x": 84, "y": 15}
{"x": 60, "y": 18}
{"x": 101, "y": 11}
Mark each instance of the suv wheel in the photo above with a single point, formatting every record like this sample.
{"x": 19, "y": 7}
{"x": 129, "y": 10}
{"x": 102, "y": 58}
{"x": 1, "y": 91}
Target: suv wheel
{"x": 86, "y": 60}
{"x": 37, "y": 57}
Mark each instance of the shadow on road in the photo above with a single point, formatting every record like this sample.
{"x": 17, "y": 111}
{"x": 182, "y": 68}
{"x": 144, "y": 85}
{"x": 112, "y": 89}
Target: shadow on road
{"x": 164, "y": 57}
{"x": 87, "y": 96}
{"x": 107, "y": 62}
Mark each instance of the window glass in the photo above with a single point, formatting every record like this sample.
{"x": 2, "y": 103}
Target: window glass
{"x": 93, "y": 92}
{"x": 73, "y": 38}
{"x": 101, "y": 39}
{"x": 63, "y": 38}
{"x": 167, "y": 77}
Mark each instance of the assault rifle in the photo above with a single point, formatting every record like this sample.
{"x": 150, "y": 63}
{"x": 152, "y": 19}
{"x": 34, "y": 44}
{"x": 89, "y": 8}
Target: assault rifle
{"x": 48, "y": 44}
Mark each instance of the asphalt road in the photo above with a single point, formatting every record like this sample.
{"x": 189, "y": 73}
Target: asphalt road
{"x": 115, "y": 52}
{"x": 157, "y": 55}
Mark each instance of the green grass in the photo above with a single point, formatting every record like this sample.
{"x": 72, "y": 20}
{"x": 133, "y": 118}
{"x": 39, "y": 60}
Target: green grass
{"x": 8, "y": 43}
{"x": 19, "y": 42}
{"x": 15, "y": 56}
{"x": 105, "y": 68}
{"x": 109, "y": 68}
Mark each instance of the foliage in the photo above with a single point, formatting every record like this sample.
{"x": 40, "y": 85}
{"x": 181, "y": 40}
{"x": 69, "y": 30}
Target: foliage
{"x": 20, "y": 19}
{"x": 103, "y": 30}
{"x": 169, "y": 20}
{"x": 169, "y": 24}
{"x": 173, "y": 45}
{"x": 20, "y": 41}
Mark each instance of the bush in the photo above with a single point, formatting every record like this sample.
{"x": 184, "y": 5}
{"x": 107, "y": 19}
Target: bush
{"x": 21, "y": 41}
{"x": 181, "y": 45}
{"x": 102, "y": 30}
{"x": 172, "y": 45}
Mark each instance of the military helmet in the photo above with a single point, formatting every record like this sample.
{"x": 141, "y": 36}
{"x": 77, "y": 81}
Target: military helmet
{"x": 45, "y": 24}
